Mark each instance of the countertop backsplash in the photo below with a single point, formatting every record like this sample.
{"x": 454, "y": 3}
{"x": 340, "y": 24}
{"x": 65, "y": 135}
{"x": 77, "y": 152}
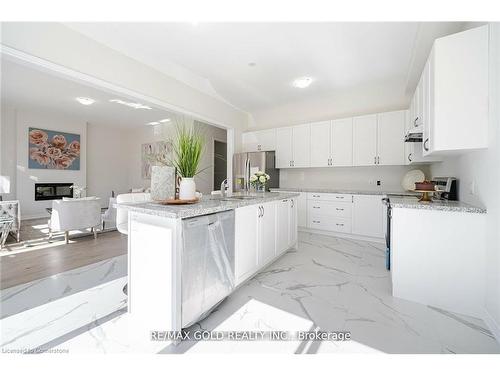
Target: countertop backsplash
{"x": 359, "y": 178}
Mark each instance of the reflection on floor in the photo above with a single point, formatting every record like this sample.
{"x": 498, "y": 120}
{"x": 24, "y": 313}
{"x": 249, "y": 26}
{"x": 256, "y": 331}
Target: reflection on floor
{"x": 328, "y": 284}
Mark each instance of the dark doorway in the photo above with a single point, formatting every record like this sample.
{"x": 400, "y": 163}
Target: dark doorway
{"x": 220, "y": 163}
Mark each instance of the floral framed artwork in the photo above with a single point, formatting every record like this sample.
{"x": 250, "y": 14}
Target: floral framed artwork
{"x": 50, "y": 149}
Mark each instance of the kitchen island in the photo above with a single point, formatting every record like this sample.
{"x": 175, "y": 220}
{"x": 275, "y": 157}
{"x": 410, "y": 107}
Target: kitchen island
{"x": 438, "y": 253}
{"x": 183, "y": 260}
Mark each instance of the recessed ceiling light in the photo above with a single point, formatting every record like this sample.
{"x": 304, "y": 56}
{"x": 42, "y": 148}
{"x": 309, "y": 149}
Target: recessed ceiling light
{"x": 130, "y": 104}
{"x": 252, "y": 64}
{"x": 85, "y": 101}
{"x": 302, "y": 82}
{"x": 165, "y": 120}
{"x": 153, "y": 123}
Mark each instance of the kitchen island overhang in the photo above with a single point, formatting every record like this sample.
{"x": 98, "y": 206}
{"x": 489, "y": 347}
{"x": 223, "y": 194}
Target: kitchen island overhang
{"x": 265, "y": 227}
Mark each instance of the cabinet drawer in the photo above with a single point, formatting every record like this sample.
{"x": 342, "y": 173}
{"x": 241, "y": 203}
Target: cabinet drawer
{"x": 330, "y": 197}
{"x": 332, "y": 208}
{"x": 334, "y": 224}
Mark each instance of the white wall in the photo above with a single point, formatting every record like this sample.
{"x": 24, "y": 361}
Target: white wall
{"x": 359, "y": 178}
{"x": 481, "y": 168}
{"x": 59, "y": 44}
{"x": 108, "y": 165}
{"x": 147, "y": 134}
{"x": 26, "y": 178}
{"x": 8, "y": 146}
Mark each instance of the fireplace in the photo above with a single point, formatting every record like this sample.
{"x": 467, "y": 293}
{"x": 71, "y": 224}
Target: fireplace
{"x": 49, "y": 191}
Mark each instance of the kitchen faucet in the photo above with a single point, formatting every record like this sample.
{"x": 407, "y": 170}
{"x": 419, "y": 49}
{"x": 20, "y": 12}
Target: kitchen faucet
{"x": 223, "y": 187}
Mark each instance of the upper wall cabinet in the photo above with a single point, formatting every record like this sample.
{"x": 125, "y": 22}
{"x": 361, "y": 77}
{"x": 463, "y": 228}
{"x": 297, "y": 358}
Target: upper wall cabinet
{"x": 292, "y": 146}
{"x": 390, "y": 136}
{"x": 331, "y": 143}
{"x": 261, "y": 140}
{"x": 364, "y": 140}
{"x": 378, "y": 139}
{"x": 457, "y": 90}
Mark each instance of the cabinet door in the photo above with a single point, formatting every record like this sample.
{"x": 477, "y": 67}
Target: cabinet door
{"x": 368, "y": 215}
{"x": 428, "y": 105}
{"x": 320, "y": 144}
{"x": 364, "y": 140}
{"x": 267, "y": 233}
{"x": 292, "y": 222}
{"x": 246, "y": 242}
{"x": 249, "y": 142}
{"x": 283, "y": 226}
{"x": 301, "y": 146}
{"x": 390, "y": 137}
{"x": 302, "y": 210}
{"x": 341, "y": 142}
{"x": 266, "y": 140}
{"x": 420, "y": 101}
{"x": 284, "y": 147}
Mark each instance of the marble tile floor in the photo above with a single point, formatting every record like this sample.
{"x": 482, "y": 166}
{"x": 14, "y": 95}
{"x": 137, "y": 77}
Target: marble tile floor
{"x": 327, "y": 284}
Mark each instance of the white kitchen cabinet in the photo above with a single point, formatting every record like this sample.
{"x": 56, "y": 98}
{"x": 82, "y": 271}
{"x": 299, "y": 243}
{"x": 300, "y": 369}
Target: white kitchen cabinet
{"x": 341, "y": 143}
{"x": 364, "y": 140}
{"x": 267, "y": 233}
{"x": 260, "y": 140}
{"x": 292, "y": 223}
{"x": 320, "y": 144}
{"x": 368, "y": 215}
{"x": 390, "y": 138}
{"x": 458, "y": 93}
{"x": 246, "y": 257}
{"x": 282, "y": 226}
{"x": 301, "y": 146}
{"x": 284, "y": 155}
{"x": 302, "y": 210}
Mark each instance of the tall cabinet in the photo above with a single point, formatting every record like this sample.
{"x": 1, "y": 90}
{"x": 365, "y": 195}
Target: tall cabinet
{"x": 292, "y": 146}
{"x": 331, "y": 143}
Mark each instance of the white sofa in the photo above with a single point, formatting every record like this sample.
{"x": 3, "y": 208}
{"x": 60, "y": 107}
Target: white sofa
{"x": 74, "y": 214}
{"x": 12, "y": 208}
{"x": 122, "y": 214}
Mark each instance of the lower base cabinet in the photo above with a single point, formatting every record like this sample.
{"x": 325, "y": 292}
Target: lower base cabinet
{"x": 263, "y": 232}
{"x": 368, "y": 215}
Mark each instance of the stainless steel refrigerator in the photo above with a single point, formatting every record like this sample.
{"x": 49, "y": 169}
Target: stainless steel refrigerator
{"x": 248, "y": 163}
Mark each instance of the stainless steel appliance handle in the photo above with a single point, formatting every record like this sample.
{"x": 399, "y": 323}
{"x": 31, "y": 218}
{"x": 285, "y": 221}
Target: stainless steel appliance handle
{"x": 426, "y": 148}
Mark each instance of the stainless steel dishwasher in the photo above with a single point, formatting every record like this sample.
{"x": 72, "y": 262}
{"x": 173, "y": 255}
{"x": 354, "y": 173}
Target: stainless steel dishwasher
{"x": 207, "y": 264}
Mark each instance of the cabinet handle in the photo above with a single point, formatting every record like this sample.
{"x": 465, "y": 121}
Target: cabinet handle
{"x": 426, "y": 148}
{"x": 339, "y": 225}
{"x": 378, "y": 159}
{"x": 316, "y": 207}
{"x": 316, "y": 221}
{"x": 340, "y": 197}
{"x": 263, "y": 210}
{"x": 339, "y": 209}
{"x": 374, "y": 160}
{"x": 415, "y": 121}
{"x": 409, "y": 156}
{"x": 315, "y": 196}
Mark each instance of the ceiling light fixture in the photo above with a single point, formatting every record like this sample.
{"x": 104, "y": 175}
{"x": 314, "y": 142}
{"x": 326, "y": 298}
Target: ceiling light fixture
{"x": 165, "y": 120}
{"x": 153, "y": 123}
{"x": 252, "y": 64}
{"x": 85, "y": 101}
{"x": 130, "y": 104}
{"x": 302, "y": 82}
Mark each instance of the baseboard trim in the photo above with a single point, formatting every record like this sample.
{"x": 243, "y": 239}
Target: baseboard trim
{"x": 493, "y": 326}
{"x": 341, "y": 235}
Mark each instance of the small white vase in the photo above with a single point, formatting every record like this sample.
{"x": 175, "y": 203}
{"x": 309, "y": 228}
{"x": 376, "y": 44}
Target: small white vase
{"x": 187, "y": 188}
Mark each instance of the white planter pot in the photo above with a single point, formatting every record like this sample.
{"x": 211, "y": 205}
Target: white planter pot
{"x": 187, "y": 188}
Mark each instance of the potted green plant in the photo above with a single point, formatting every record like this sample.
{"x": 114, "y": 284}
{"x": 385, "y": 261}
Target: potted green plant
{"x": 188, "y": 148}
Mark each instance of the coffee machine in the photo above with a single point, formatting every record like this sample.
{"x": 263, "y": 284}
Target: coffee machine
{"x": 446, "y": 188}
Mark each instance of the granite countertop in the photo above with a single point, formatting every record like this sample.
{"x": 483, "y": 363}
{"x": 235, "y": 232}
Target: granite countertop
{"x": 348, "y": 191}
{"x": 453, "y": 206}
{"x": 207, "y": 205}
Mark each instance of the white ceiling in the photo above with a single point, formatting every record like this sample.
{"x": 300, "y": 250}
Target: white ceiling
{"x": 23, "y": 85}
{"x": 214, "y": 57}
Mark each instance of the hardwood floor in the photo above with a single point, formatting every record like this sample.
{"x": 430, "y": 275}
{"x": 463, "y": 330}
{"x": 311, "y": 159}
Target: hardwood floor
{"x": 21, "y": 268}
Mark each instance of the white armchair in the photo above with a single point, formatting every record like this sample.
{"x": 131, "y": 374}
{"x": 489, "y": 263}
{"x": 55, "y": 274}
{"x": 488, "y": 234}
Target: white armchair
{"x": 74, "y": 214}
{"x": 109, "y": 216}
{"x": 122, "y": 214}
